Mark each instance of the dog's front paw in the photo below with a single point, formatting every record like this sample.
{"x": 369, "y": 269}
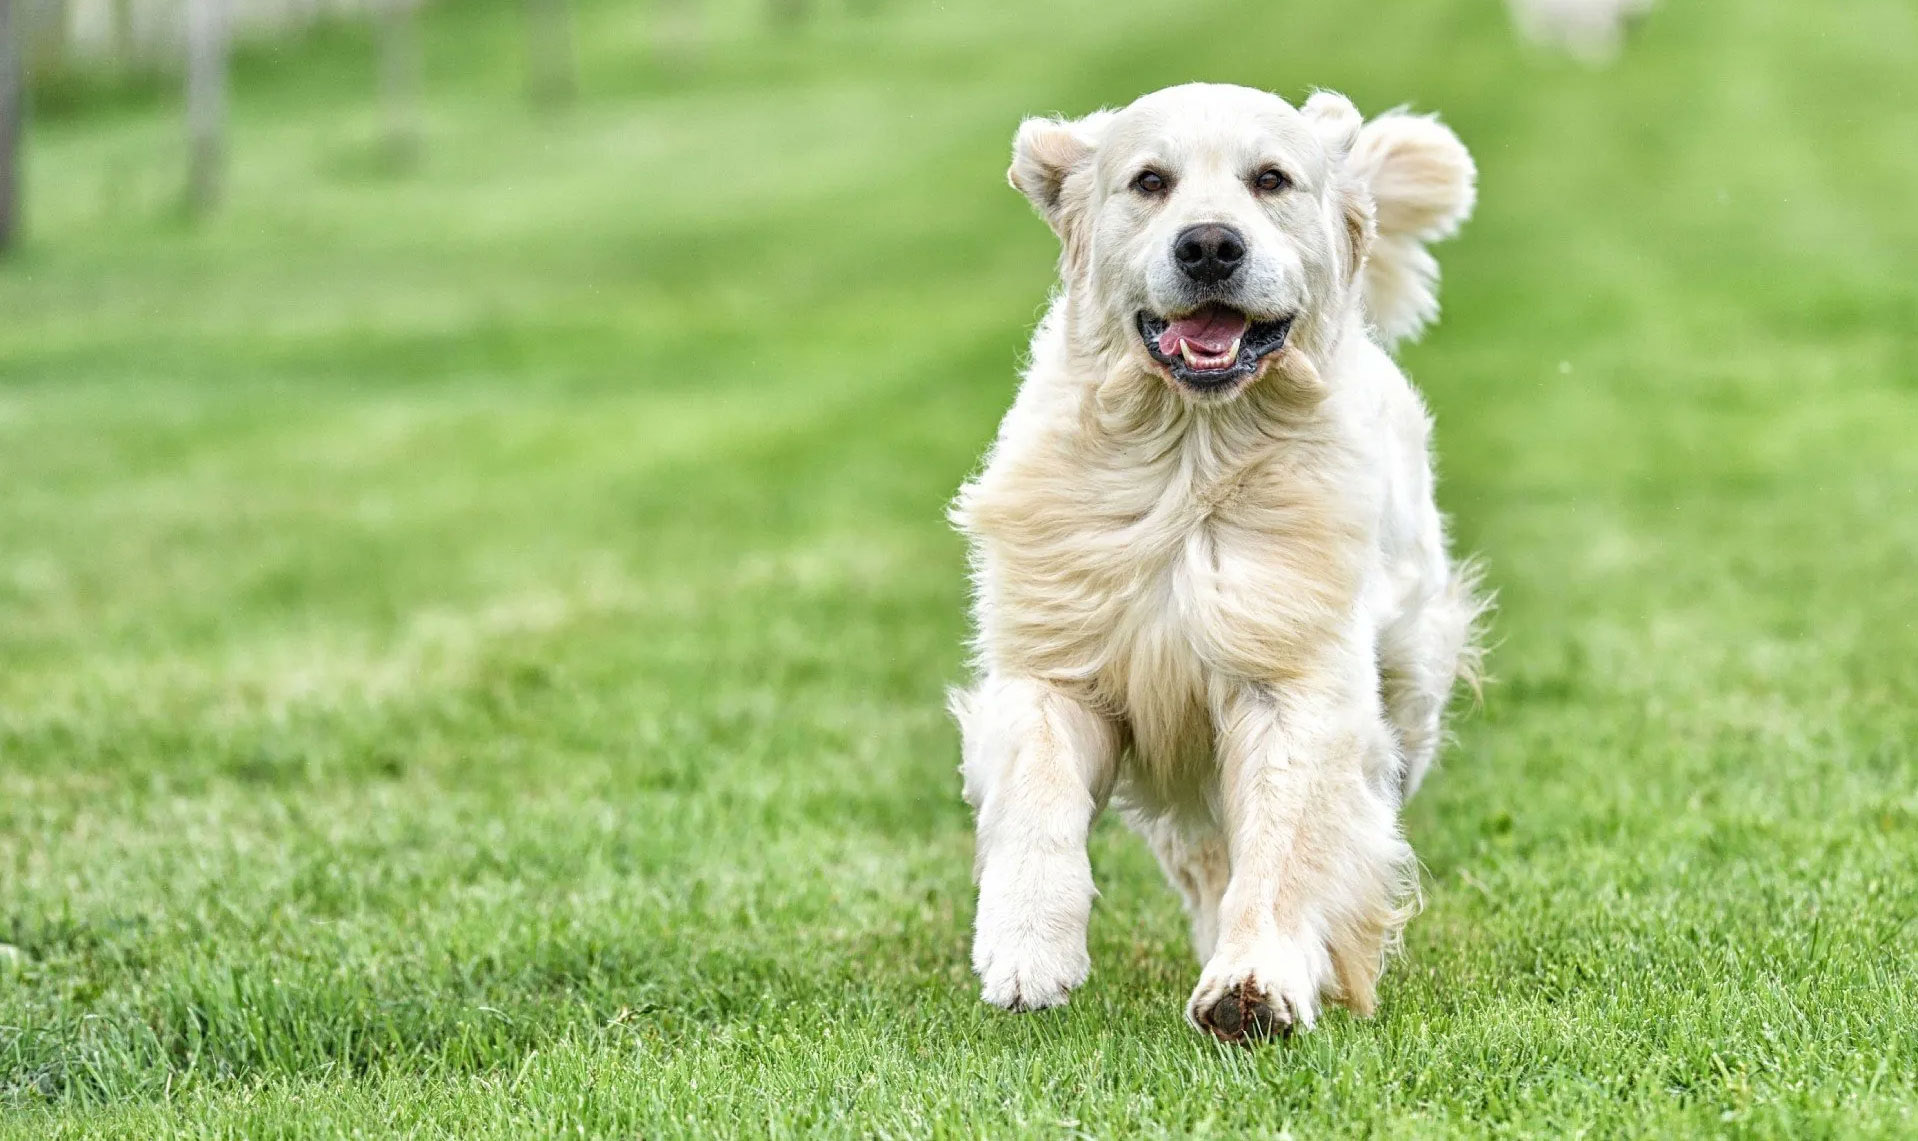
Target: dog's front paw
{"x": 1028, "y": 976}
{"x": 1025, "y": 962}
{"x": 1267, "y": 992}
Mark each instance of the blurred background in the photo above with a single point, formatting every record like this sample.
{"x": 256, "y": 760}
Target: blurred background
{"x": 471, "y": 488}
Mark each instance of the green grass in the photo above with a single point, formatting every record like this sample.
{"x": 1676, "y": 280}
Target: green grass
{"x": 440, "y": 695}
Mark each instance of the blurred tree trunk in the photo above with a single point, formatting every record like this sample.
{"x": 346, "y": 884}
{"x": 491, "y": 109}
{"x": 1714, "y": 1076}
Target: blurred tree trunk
{"x": 121, "y": 53}
{"x": 551, "y": 72}
{"x": 87, "y": 31}
{"x": 400, "y": 80}
{"x": 206, "y": 43}
{"x": 12, "y": 119}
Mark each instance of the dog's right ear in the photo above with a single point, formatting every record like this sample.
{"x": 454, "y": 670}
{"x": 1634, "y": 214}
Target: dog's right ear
{"x": 1049, "y": 160}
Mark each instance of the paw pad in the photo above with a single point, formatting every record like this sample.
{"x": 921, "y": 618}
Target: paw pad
{"x": 1245, "y": 1014}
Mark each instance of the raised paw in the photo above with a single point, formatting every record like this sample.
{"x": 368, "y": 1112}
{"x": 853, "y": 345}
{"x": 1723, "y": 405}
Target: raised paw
{"x": 1251, "y": 994}
{"x": 1245, "y": 1014}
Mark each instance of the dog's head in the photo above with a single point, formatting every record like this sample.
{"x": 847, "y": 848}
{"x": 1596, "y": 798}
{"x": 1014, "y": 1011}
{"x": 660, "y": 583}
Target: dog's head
{"x": 1207, "y": 229}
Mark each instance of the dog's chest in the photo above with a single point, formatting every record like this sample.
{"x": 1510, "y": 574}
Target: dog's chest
{"x": 1166, "y": 597}
{"x": 1155, "y": 585}
{"x": 1156, "y": 666}
{"x": 1240, "y": 574}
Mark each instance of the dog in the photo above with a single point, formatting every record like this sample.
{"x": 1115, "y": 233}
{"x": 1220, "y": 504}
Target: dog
{"x": 1592, "y": 31}
{"x": 1211, "y": 584}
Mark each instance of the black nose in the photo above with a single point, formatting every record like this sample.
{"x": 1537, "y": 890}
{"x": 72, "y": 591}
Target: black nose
{"x": 1209, "y": 254}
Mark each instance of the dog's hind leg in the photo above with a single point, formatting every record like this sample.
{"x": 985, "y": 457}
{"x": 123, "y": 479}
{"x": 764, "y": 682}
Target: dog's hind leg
{"x": 1196, "y": 863}
{"x": 1423, "y": 655}
{"x": 1038, "y": 767}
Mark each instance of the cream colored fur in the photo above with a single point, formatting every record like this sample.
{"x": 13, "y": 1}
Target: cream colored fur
{"x": 1592, "y": 30}
{"x": 1233, "y": 614}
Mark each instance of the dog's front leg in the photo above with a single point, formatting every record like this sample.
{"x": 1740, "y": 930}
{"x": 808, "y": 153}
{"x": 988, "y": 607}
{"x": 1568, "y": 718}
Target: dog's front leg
{"x": 1038, "y": 766}
{"x": 1320, "y": 871}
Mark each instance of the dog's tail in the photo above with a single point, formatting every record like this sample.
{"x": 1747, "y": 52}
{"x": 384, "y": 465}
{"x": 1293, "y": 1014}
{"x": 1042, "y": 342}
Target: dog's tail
{"x": 1423, "y": 185}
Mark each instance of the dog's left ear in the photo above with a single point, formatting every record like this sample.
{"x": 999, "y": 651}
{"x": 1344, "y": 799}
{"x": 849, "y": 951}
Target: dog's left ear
{"x": 1336, "y": 122}
{"x": 1049, "y": 160}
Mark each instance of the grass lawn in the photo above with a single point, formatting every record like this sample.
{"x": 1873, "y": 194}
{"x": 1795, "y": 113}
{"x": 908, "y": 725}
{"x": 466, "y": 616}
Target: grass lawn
{"x": 472, "y": 643}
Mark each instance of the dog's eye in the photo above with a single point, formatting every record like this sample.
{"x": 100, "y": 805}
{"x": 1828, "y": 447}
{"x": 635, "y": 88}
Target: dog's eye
{"x": 1271, "y": 180}
{"x": 1149, "y": 182}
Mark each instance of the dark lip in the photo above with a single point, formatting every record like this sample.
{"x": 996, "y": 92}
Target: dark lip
{"x": 1262, "y": 339}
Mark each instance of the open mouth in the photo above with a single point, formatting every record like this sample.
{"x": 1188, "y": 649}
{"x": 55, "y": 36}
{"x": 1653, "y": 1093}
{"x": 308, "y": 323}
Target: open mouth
{"x": 1213, "y": 346}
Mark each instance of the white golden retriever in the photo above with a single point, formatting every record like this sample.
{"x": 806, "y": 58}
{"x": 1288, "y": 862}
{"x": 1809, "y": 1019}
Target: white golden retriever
{"x": 1592, "y": 30}
{"x": 1212, "y": 584}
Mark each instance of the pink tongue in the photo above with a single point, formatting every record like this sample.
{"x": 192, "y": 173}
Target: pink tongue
{"x": 1211, "y": 331}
